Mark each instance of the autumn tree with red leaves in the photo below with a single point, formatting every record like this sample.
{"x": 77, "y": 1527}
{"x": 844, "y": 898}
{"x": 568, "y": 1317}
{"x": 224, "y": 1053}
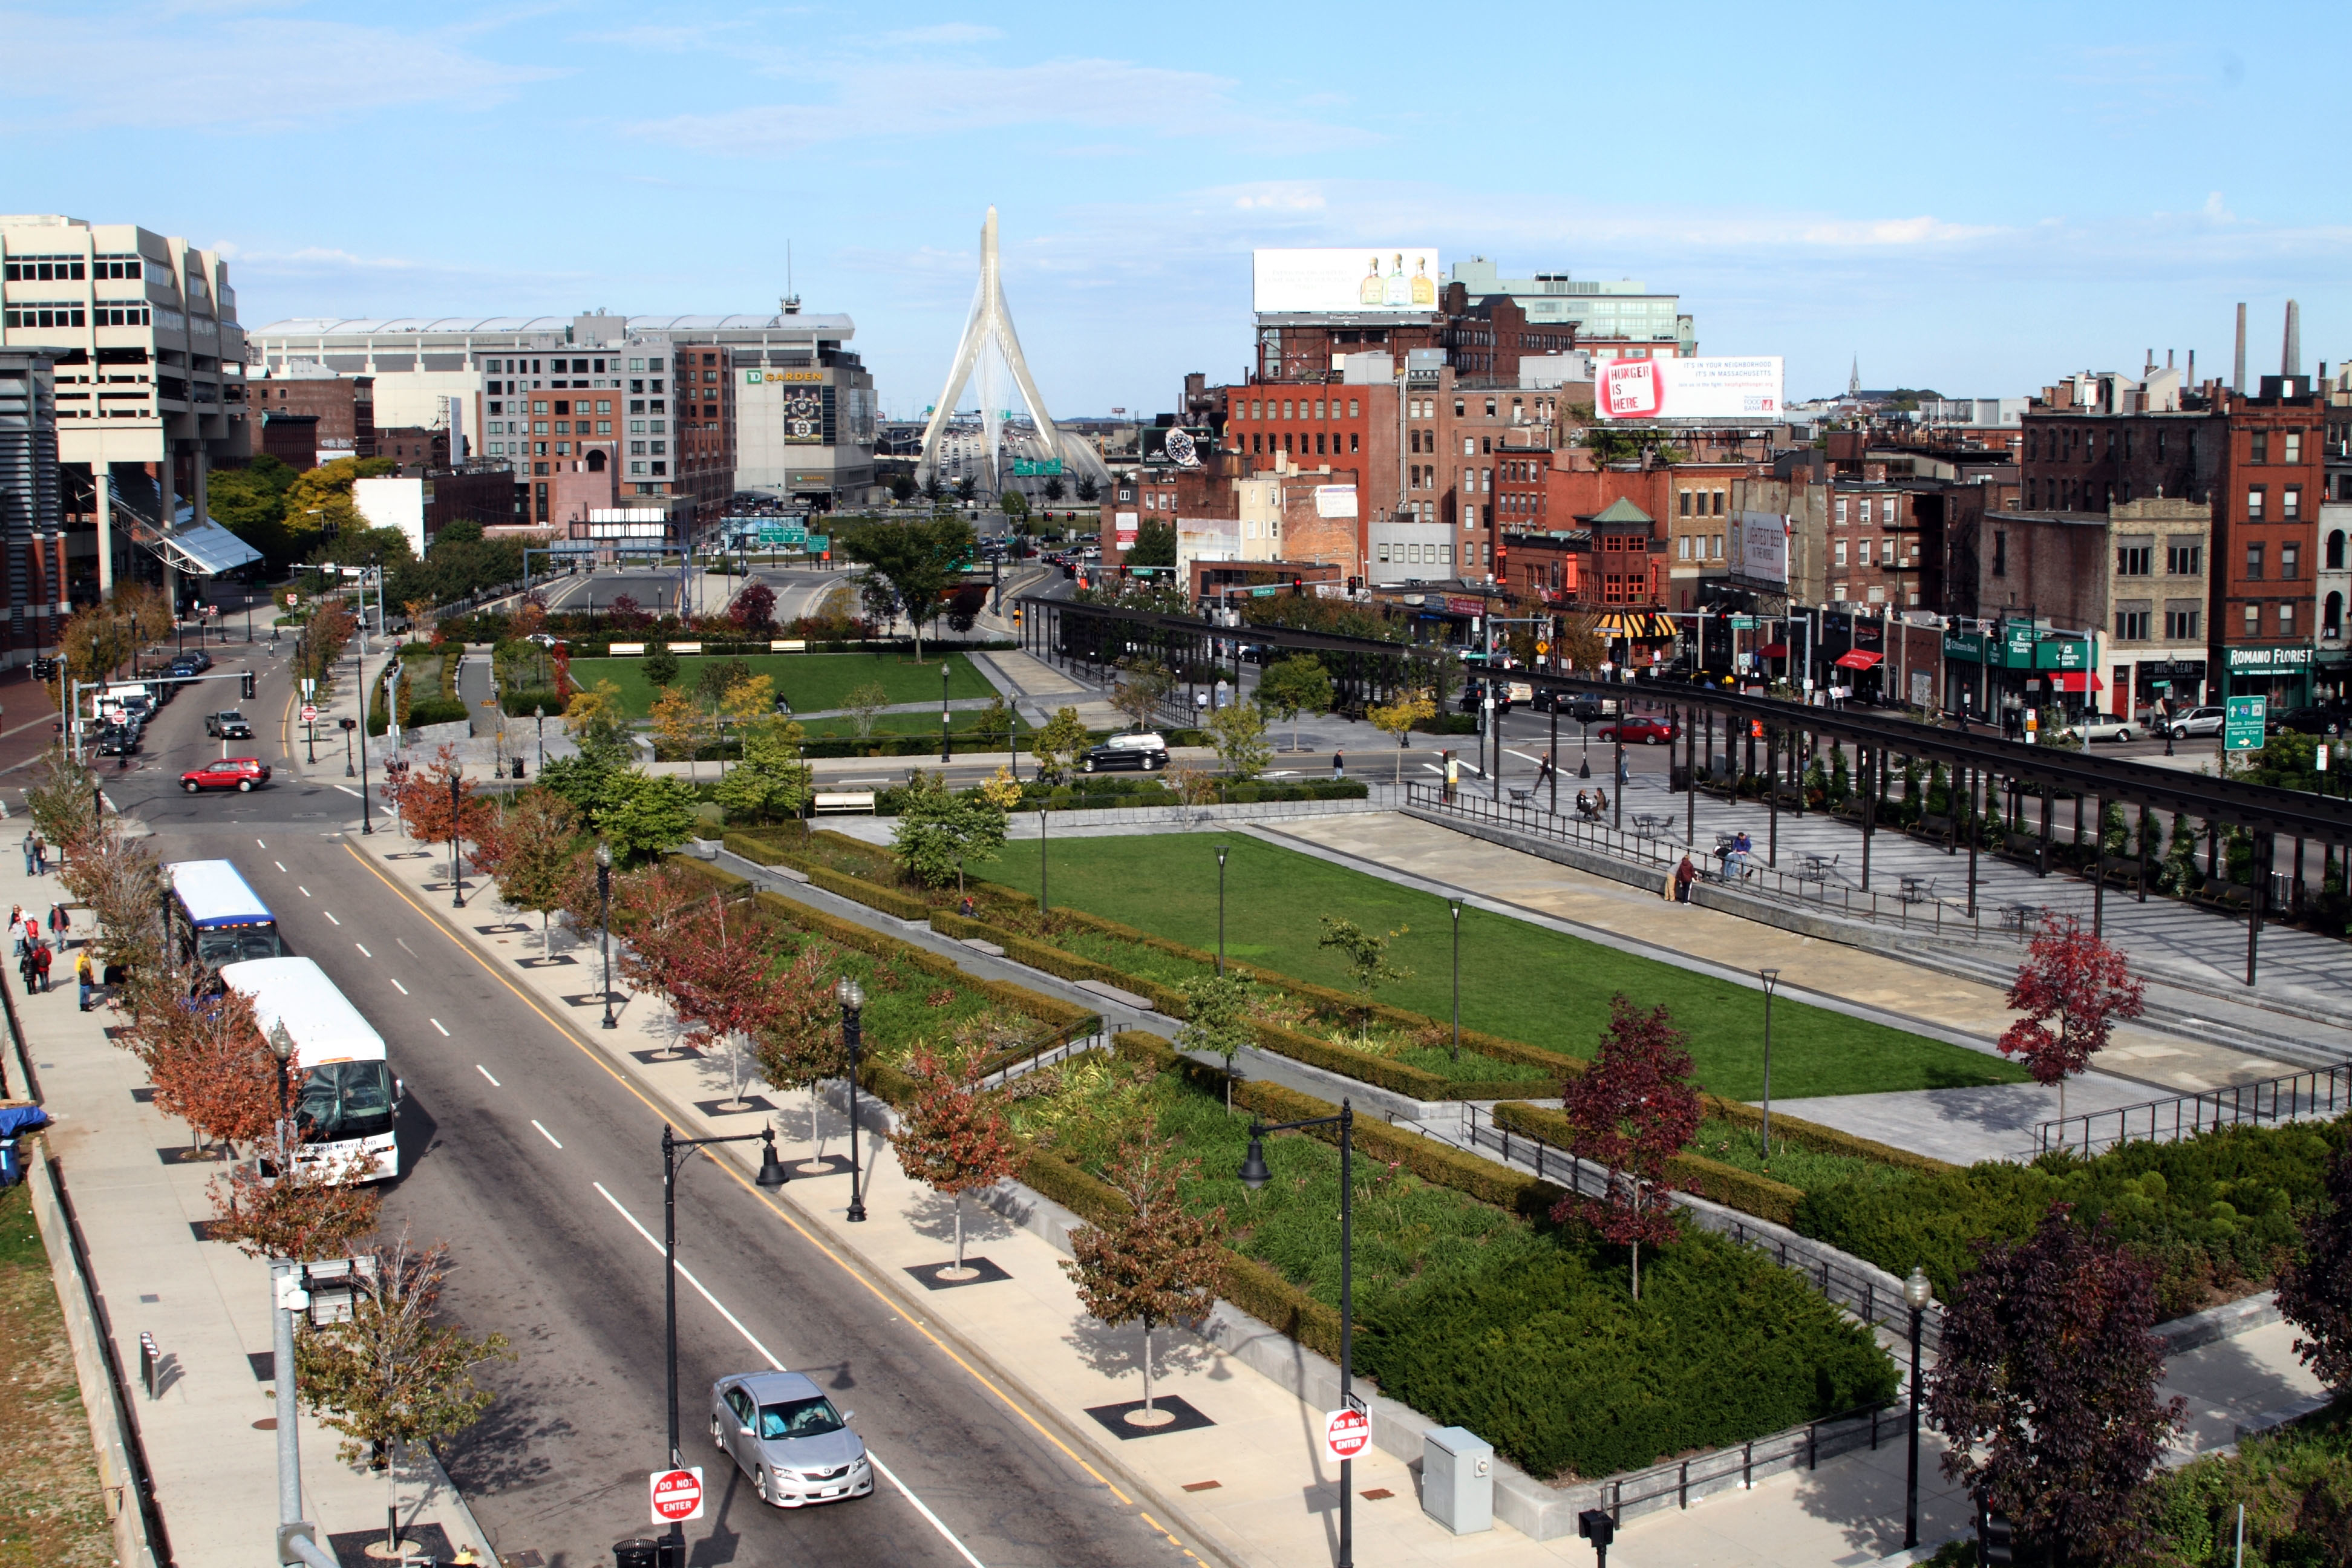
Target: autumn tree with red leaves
{"x": 305, "y": 1209}
{"x": 711, "y": 963}
{"x": 423, "y": 800}
{"x": 212, "y": 1068}
{"x": 800, "y": 1045}
{"x": 1155, "y": 1264}
{"x": 2315, "y": 1292}
{"x": 2046, "y": 1387}
{"x": 1632, "y": 1110}
{"x": 2074, "y": 977}
{"x": 953, "y": 1137}
{"x": 529, "y": 844}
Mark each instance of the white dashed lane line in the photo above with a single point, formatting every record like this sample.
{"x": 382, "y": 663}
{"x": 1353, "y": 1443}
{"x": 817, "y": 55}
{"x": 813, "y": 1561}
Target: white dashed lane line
{"x": 264, "y": 846}
{"x": 349, "y": 790}
{"x": 363, "y": 952}
{"x": 436, "y": 1023}
{"x": 301, "y": 890}
{"x": 486, "y": 1073}
{"x": 330, "y": 915}
{"x": 279, "y": 864}
{"x": 543, "y": 1132}
{"x": 396, "y": 986}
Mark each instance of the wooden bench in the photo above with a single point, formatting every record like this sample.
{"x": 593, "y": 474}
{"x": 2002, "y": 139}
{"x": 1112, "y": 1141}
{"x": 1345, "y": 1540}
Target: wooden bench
{"x": 1937, "y": 830}
{"x": 832, "y": 802}
{"x": 2221, "y": 893}
{"x": 788, "y": 645}
{"x": 1848, "y": 809}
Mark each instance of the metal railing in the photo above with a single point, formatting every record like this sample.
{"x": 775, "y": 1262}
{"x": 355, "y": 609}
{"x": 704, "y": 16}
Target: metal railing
{"x": 1046, "y": 1050}
{"x": 2322, "y": 1091}
{"x": 1811, "y": 888}
{"x": 1806, "y": 1447}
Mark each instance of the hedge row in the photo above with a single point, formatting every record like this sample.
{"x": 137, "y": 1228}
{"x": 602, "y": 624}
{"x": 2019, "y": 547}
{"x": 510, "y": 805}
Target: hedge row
{"x": 1825, "y": 1140}
{"x": 1056, "y": 961}
{"x": 873, "y": 894}
{"x": 1712, "y": 1179}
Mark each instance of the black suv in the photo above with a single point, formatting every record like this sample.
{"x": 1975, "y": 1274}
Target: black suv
{"x": 2307, "y": 721}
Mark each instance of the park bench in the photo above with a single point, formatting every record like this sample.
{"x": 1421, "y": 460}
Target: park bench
{"x": 833, "y": 802}
{"x": 2221, "y": 893}
{"x": 1936, "y": 830}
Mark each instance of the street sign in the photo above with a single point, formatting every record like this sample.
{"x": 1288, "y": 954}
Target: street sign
{"x": 676, "y": 1495}
{"x": 1347, "y": 1433}
{"x": 310, "y": 714}
{"x": 1743, "y": 622}
{"x": 2241, "y": 724}
{"x": 293, "y": 598}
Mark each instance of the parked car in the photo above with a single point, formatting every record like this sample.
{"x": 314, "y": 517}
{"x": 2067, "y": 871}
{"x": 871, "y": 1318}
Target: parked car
{"x": 1647, "y": 731}
{"x": 197, "y": 657}
{"x": 1473, "y": 696}
{"x": 1146, "y": 751}
{"x": 227, "y": 725}
{"x": 2104, "y": 727}
{"x": 243, "y": 775}
{"x": 1580, "y": 710}
{"x": 782, "y": 1432}
{"x": 2306, "y": 722}
{"x": 2206, "y": 720}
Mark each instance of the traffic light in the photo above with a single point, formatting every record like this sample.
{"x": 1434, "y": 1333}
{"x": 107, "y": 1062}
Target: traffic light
{"x": 1996, "y": 1540}
{"x": 1298, "y": 587}
{"x": 244, "y": 686}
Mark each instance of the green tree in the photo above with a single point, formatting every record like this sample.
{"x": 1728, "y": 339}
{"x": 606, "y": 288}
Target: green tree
{"x": 1014, "y": 504}
{"x": 864, "y": 702}
{"x": 918, "y": 561}
{"x": 1155, "y": 543}
{"x": 63, "y": 799}
{"x": 1088, "y": 491}
{"x": 769, "y": 781}
{"x": 1055, "y": 488}
{"x": 1155, "y": 1264}
{"x": 1059, "y": 744}
{"x": 641, "y": 814}
{"x": 1143, "y": 685}
{"x": 659, "y": 666}
{"x": 1366, "y": 954}
{"x": 529, "y": 849}
{"x": 1238, "y": 732}
{"x": 599, "y": 726}
{"x": 938, "y": 832}
{"x": 1217, "y": 1020}
{"x": 1296, "y": 685}
{"x": 250, "y": 502}
{"x": 1398, "y": 719}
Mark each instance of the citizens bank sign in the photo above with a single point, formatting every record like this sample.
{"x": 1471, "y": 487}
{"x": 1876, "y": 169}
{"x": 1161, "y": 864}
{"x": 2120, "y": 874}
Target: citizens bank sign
{"x": 2254, "y": 660}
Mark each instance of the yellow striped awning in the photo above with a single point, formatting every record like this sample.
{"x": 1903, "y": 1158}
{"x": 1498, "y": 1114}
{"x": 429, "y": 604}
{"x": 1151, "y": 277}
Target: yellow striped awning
{"x": 1632, "y": 624}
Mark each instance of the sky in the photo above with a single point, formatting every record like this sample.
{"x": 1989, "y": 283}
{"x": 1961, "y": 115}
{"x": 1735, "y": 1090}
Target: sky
{"x": 1977, "y": 199}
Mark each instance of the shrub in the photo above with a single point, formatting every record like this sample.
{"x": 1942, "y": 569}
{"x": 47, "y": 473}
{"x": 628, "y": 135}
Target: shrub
{"x": 1711, "y": 1179}
{"x": 437, "y": 710}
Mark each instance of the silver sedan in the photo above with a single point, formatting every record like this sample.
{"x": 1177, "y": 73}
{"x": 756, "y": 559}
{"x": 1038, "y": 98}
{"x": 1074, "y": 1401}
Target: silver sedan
{"x": 782, "y": 1431}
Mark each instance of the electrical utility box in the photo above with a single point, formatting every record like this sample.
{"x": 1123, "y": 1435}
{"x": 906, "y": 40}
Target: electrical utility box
{"x": 1457, "y": 1480}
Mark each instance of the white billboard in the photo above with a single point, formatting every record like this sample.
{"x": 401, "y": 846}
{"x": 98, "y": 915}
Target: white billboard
{"x": 393, "y": 503}
{"x": 1763, "y": 547}
{"x": 1375, "y": 277}
{"x": 1689, "y": 388}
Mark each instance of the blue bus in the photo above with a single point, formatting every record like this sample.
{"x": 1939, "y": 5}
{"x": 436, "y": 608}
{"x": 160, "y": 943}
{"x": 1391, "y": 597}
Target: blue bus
{"x": 217, "y": 917}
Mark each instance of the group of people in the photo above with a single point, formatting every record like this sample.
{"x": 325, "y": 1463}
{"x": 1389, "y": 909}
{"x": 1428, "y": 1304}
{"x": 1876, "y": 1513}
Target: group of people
{"x": 37, "y": 854}
{"x": 34, "y": 954}
{"x": 1592, "y": 805}
{"x": 1735, "y": 852}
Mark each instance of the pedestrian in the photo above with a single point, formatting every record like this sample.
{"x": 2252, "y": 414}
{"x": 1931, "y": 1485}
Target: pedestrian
{"x": 40, "y": 854}
{"x": 29, "y": 851}
{"x": 58, "y": 922}
{"x": 1339, "y": 763}
{"x": 41, "y": 957}
{"x": 1600, "y": 803}
{"x": 16, "y": 928}
{"x": 82, "y": 977}
{"x": 1543, "y": 771}
{"x": 1685, "y": 875}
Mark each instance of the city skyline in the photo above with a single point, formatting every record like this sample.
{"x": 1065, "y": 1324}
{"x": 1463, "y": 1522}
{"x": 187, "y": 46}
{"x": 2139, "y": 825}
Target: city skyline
{"x": 2039, "y": 195}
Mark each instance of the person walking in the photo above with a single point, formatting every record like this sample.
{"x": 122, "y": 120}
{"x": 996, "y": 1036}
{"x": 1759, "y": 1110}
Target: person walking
{"x": 1543, "y": 771}
{"x": 1339, "y": 763}
{"x": 82, "y": 977}
{"x": 29, "y": 851}
{"x": 41, "y": 959}
{"x": 1685, "y": 875}
{"x": 60, "y": 922}
{"x": 40, "y": 854}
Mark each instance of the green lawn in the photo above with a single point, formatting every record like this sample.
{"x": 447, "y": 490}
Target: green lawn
{"x": 1517, "y": 980}
{"x": 813, "y": 681}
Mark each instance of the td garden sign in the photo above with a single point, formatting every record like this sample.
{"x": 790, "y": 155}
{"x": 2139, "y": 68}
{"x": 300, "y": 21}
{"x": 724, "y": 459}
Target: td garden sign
{"x": 2295, "y": 657}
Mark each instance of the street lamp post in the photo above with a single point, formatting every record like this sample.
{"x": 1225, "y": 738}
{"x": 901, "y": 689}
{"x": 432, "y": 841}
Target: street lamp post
{"x": 771, "y": 1176}
{"x": 1045, "y": 888}
{"x": 1253, "y": 1176}
{"x": 947, "y": 748}
{"x": 1771, "y": 982}
{"x": 605, "y": 926}
{"x": 1221, "y": 911}
{"x": 1916, "y": 1294}
{"x": 539, "y": 716}
{"x": 1457, "y": 905}
{"x": 456, "y": 870}
{"x": 853, "y": 1002}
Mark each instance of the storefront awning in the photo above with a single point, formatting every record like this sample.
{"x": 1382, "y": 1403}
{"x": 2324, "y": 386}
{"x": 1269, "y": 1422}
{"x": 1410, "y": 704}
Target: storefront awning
{"x": 1773, "y": 650}
{"x": 1858, "y": 658}
{"x": 1634, "y": 623}
{"x": 2077, "y": 680}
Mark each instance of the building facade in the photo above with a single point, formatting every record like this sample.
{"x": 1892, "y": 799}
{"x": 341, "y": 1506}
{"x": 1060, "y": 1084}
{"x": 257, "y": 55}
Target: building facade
{"x": 344, "y": 405}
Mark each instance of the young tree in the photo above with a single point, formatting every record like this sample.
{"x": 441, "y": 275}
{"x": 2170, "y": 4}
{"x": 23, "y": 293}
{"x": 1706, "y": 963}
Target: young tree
{"x": 423, "y": 801}
{"x": 2046, "y": 1388}
{"x": 641, "y": 814}
{"x": 938, "y": 832}
{"x": 1143, "y": 685}
{"x": 2074, "y": 977}
{"x": 864, "y": 702}
{"x": 394, "y": 1373}
{"x": 754, "y": 608}
{"x": 1217, "y": 1020}
{"x": 304, "y": 1209}
{"x": 2314, "y": 1291}
{"x": 599, "y": 725}
{"x": 713, "y": 969}
{"x": 534, "y": 854}
{"x": 953, "y": 1137}
{"x": 918, "y": 561}
{"x": 800, "y": 1047}
{"x": 1632, "y": 1109}
{"x": 769, "y": 780}
{"x": 63, "y": 798}
{"x": 121, "y": 882}
{"x": 1058, "y": 746}
{"x": 1366, "y": 954}
{"x": 681, "y": 729}
{"x": 1154, "y": 1265}
{"x": 1237, "y": 731}
{"x": 1398, "y": 719}
{"x": 211, "y": 1066}
{"x": 1293, "y": 686}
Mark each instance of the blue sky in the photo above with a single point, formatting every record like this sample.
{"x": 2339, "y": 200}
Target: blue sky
{"x": 1974, "y": 199}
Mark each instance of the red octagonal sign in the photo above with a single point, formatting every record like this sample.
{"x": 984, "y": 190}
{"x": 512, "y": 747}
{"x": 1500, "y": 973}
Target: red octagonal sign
{"x": 677, "y": 1495}
{"x": 1347, "y": 1433}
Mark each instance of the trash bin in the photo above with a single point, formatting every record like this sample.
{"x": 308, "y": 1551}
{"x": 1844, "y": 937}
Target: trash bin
{"x": 1457, "y": 1480}
{"x": 638, "y": 1553}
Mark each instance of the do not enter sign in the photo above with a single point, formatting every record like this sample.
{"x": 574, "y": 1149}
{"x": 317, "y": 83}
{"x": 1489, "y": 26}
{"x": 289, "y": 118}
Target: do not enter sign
{"x": 1347, "y": 1433}
{"x": 677, "y": 1495}
{"x": 310, "y": 713}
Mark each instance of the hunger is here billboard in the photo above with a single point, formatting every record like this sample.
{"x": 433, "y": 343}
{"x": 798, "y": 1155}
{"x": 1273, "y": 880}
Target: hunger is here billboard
{"x": 1689, "y": 388}
{"x": 1374, "y": 277}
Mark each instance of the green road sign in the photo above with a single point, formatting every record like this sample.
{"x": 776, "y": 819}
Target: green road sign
{"x": 1743, "y": 622}
{"x": 2242, "y": 724}
{"x": 818, "y": 544}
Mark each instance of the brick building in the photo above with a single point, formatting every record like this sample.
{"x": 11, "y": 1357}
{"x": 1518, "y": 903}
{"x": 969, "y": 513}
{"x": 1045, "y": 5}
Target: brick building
{"x": 414, "y": 447}
{"x": 344, "y": 406}
{"x": 291, "y": 438}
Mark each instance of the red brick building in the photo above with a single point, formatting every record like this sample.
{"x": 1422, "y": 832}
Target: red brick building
{"x": 344, "y": 406}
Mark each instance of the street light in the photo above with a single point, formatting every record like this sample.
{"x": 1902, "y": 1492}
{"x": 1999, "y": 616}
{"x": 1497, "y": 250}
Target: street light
{"x": 1456, "y": 904}
{"x": 1771, "y": 980}
{"x": 946, "y": 747}
{"x": 770, "y": 1177}
{"x": 539, "y": 715}
{"x": 853, "y": 1002}
{"x": 1221, "y": 911}
{"x": 457, "y": 871}
{"x": 1916, "y": 1294}
{"x": 605, "y": 925}
{"x": 1253, "y": 1176}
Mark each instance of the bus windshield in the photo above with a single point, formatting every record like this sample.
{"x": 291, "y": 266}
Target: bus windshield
{"x": 235, "y": 944}
{"x": 342, "y": 1101}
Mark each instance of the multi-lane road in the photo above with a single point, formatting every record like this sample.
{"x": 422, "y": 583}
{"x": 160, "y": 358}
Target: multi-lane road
{"x": 540, "y": 1167}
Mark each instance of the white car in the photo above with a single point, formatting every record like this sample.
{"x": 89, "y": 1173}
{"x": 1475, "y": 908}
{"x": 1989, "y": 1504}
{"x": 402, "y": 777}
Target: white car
{"x": 2105, "y": 727}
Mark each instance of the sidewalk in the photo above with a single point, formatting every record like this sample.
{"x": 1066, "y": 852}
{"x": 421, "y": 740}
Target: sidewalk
{"x": 210, "y": 1435}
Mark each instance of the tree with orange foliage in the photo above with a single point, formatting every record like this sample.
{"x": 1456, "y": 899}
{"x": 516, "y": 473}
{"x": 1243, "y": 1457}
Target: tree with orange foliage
{"x": 953, "y": 1137}
{"x": 212, "y": 1068}
{"x": 423, "y": 801}
{"x": 800, "y": 1045}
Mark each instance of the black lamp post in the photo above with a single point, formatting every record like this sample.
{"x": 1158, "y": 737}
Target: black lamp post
{"x": 853, "y": 1002}
{"x": 1045, "y": 888}
{"x": 1771, "y": 980}
{"x": 1457, "y": 905}
{"x": 605, "y": 926}
{"x": 1916, "y": 1294}
{"x": 539, "y": 716}
{"x": 771, "y": 1176}
{"x": 1221, "y": 911}
{"x": 367, "y": 811}
{"x": 456, "y": 870}
{"x": 348, "y": 726}
{"x": 1253, "y": 1176}
{"x": 946, "y": 749}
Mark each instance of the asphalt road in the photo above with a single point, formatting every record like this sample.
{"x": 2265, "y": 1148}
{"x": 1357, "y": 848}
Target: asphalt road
{"x": 539, "y": 1166}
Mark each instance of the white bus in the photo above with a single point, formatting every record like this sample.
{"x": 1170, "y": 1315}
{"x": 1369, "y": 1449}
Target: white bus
{"x": 217, "y": 917}
{"x": 350, "y": 1099}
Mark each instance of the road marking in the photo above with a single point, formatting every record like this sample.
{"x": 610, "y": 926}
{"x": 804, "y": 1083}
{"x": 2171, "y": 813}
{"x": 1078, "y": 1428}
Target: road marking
{"x": 363, "y": 952}
{"x": 436, "y": 1023}
{"x": 404, "y": 947}
{"x": 543, "y": 1132}
{"x": 396, "y": 986}
{"x": 769, "y": 1357}
{"x": 486, "y": 1073}
{"x": 264, "y": 846}
{"x": 349, "y": 790}
{"x": 301, "y": 890}
{"x": 279, "y": 864}
{"x": 330, "y": 915}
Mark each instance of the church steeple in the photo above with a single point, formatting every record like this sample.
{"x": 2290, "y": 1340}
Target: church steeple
{"x": 1854, "y": 379}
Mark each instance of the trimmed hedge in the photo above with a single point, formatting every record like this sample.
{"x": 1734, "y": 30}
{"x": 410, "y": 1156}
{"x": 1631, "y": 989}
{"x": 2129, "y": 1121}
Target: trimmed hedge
{"x": 1712, "y": 1179}
{"x": 1825, "y": 1140}
{"x": 1056, "y": 961}
{"x": 435, "y": 710}
{"x": 873, "y": 895}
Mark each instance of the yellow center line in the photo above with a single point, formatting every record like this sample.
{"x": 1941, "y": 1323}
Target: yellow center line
{"x": 581, "y": 1045}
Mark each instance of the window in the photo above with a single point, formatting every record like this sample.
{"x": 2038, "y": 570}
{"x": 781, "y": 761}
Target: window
{"x": 1469, "y": 447}
{"x": 2255, "y": 560}
{"x": 2253, "y": 620}
{"x": 540, "y": 407}
{"x": 1841, "y": 511}
{"x": 1686, "y": 503}
{"x": 2286, "y": 618}
{"x": 2132, "y": 626}
{"x": 2180, "y": 617}
{"x": 2185, "y": 558}
{"x": 1355, "y": 439}
{"x": 2335, "y": 550}
{"x": 45, "y": 314}
{"x": 603, "y": 428}
{"x": 2134, "y": 559}
{"x": 2291, "y": 504}
{"x": 1840, "y": 548}
{"x": 1355, "y": 408}
{"x": 2255, "y": 499}
{"x": 637, "y": 364}
{"x": 1682, "y": 544}
{"x": 1718, "y": 503}
{"x": 2290, "y": 441}
{"x": 1999, "y": 553}
{"x": 538, "y": 426}
{"x": 563, "y": 426}
{"x": 2259, "y": 443}
{"x": 1457, "y": 408}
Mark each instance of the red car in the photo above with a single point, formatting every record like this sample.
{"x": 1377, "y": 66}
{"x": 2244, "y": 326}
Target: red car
{"x": 239, "y": 774}
{"x": 1648, "y": 732}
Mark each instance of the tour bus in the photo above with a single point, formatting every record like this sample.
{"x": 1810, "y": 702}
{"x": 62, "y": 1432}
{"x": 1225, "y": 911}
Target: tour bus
{"x": 350, "y": 1099}
{"x": 217, "y": 917}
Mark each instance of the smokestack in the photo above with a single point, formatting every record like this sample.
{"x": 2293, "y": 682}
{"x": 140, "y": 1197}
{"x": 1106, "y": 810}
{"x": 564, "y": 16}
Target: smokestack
{"x": 2167, "y": 358}
{"x": 2291, "y": 355}
{"x": 2149, "y": 368}
{"x": 2192, "y": 370}
{"x": 2238, "y": 379}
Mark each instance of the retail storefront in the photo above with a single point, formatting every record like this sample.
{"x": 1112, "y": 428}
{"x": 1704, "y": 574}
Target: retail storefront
{"x": 2177, "y": 683}
{"x": 2279, "y": 671}
{"x": 2019, "y": 664}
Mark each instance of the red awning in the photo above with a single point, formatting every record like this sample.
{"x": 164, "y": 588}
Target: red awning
{"x": 1858, "y": 658}
{"x": 2073, "y": 681}
{"x": 1773, "y": 650}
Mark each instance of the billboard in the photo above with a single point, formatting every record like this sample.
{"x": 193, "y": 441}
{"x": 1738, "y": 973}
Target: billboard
{"x": 1764, "y": 547}
{"x": 1689, "y": 388}
{"x": 1374, "y": 277}
{"x": 1335, "y": 501}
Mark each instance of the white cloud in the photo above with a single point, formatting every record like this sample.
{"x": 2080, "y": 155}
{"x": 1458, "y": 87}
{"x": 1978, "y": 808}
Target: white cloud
{"x": 944, "y": 33}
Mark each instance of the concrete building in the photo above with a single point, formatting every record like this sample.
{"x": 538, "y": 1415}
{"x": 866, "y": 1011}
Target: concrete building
{"x": 32, "y": 519}
{"x": 141, "y": 332}
{"x": 1552, "y": 312}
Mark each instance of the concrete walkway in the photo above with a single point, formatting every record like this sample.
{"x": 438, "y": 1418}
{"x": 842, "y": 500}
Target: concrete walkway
{"x": 210, "y": 1434}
